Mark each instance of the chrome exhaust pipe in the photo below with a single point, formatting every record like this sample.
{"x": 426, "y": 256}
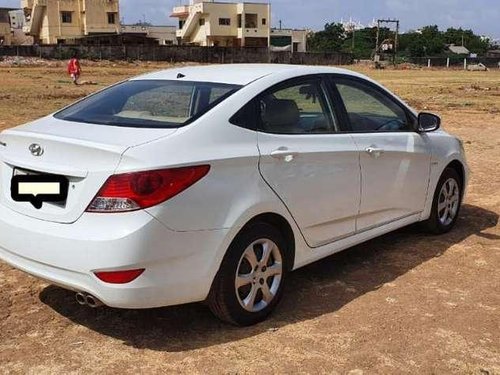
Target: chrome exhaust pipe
{"x": 92, "y": 302}
{"x": 81, "y": 299}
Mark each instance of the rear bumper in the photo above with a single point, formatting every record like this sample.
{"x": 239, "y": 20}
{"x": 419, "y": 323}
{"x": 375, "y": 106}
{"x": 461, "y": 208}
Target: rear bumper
{"x": 180, "y": 266}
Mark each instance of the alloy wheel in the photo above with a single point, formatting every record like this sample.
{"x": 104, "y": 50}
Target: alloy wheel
{"x": 259, "y": 274}
{"x": 448, "y": 202}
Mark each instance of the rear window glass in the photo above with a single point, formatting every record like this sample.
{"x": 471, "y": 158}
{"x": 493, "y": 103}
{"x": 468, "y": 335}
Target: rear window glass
{"x": 148, "y": 103}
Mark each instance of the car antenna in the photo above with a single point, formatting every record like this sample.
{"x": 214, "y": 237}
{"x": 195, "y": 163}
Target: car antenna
{"x": 180, "y": 75}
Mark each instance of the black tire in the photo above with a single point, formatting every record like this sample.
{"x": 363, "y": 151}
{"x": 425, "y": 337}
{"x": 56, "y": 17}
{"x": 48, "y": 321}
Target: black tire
{"x": 434, "y": 224}
{"x": 223, "y": 300}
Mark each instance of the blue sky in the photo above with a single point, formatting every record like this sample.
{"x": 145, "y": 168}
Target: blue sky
{"x": 483, "y": 16}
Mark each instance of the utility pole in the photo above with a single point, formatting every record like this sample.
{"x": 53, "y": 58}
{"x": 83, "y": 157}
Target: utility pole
{"x": 396, "y": 37}
{"x": 350, "y": 27}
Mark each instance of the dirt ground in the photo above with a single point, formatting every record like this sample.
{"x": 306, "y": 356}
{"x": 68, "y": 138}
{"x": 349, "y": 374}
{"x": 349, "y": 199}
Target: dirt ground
{"x": 403, "y": 303}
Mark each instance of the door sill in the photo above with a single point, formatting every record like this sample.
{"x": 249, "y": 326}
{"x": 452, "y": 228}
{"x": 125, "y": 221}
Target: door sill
{"x": 358, "y": 232}
{"x": 341, "y": 244}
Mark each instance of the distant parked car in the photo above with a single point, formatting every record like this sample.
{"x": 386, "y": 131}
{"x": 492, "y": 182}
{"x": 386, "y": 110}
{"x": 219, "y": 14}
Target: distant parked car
{"x": 477, "y": 67}
{"x": 212, "y": 183}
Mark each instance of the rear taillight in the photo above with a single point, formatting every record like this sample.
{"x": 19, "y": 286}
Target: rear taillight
{"x": 119, "y": 277}
{"x": 139, "y": 190}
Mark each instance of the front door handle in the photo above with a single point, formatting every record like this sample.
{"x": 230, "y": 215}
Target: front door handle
{"x": 284, "y": 154}
{"x": 374, "y": 151}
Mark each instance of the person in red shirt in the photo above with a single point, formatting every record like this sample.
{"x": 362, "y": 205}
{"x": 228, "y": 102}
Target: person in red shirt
{"x": 74, "y": 69}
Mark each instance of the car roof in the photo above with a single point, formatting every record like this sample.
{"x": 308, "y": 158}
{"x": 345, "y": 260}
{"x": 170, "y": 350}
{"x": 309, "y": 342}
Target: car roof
{"x": 236, "y": 74}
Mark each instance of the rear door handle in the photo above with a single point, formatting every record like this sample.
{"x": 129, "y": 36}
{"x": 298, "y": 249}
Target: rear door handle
{"x": 284, "y": 154}
{"x": 374, "y": 151}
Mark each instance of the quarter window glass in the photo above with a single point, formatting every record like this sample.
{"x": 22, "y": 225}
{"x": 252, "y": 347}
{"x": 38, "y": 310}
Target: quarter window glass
{"x": 297, "y": 109}
{"x": 370, "y": 110}
{"x": 246, "y": 117}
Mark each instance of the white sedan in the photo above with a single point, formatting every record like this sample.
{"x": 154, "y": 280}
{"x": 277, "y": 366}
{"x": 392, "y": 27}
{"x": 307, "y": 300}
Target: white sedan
{"x": 212, "y": 183}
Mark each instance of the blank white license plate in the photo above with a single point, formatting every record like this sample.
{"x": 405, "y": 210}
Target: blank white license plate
{"x": 36, "y": 188}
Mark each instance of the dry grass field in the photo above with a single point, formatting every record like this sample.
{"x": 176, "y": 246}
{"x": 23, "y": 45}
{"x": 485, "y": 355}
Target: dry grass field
{"x": 403, "y": 303}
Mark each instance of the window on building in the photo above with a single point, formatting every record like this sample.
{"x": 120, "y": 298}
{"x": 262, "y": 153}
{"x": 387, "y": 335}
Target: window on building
{"x": 264, "y": 21}
{"x": 181, "y": 23}
{"x": 251, "y": 20}
{"x": 239, "y": 21}
{"x": 112, "y": 18}
{"x": 202, "y": 21}
{"x": 66, "y": 17}
{"x": 225, "y": 21}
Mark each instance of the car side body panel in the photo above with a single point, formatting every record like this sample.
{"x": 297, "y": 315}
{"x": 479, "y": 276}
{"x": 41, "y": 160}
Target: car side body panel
{"x": 320, "y": 186}
{"x": 394, "y": 181}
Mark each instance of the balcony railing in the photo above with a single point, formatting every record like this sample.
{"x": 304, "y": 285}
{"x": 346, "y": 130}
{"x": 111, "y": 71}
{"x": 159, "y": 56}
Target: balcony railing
{"x": 180, "y": 11}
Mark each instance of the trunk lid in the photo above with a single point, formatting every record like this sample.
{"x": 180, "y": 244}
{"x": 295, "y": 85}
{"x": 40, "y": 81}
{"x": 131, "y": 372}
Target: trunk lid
{"x": 85, "y": 154}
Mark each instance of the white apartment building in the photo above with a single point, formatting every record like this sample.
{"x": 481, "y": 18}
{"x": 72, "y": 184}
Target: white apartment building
{"x": 16, "y": 19}
{"x": 293, "y": 40}
{"x": 54, "y": 21}
{"x": 211, "y": 23}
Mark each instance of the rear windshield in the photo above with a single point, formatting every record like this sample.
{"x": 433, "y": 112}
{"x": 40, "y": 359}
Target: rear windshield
{"x": 148, "y": 103}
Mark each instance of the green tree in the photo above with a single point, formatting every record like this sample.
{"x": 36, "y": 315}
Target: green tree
{"x": 433, "y": 40}
{"x": 417, "y": 47}
{"x": 364, "y": 43}
{"x": 428, "y": 41}
{"x": 331, "y": 39}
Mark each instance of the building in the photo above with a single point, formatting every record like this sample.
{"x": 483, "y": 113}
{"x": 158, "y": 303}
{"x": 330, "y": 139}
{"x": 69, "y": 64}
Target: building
{"x": 289, "y": 40}
{"x": 16, "y": 17}
{"x": 16, "y": 27}
{"x": 54, "y": 21}
{"x": 458, "y": 50}
{"x": 210, "y": 23}
{"x": 353, "y": 25}
{"x": 494, "y": 53}
{"x": 5, "y": 29}
{"x": 165, "y": 35}
{"x": 11, "y": 28}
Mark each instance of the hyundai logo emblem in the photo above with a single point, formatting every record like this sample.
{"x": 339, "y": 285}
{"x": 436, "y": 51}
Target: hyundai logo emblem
{"x": 36, "y": 149}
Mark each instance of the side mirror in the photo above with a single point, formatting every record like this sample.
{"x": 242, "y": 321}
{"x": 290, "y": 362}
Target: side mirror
{"x": 428, "y": 122}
